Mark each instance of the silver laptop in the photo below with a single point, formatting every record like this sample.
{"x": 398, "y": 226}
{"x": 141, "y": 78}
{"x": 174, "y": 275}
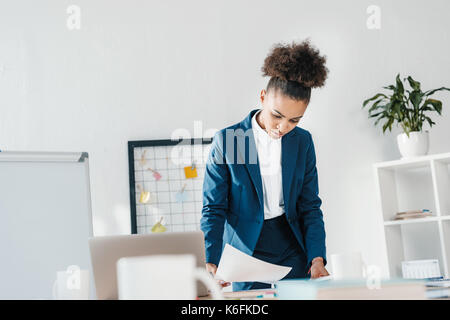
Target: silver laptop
{"x": 106, "y": 250}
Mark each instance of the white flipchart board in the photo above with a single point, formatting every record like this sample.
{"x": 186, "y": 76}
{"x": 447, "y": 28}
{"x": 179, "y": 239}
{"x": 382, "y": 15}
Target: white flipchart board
{"x": 45, "y": 221}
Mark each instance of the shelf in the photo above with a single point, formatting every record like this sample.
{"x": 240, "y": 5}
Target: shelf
{"x": 411, "y": 240}
{"x": 405, "y": 189}
{"x": 413, "y": 162}
{"x": 409, "y": 221}
{"x": 414, "y": 184}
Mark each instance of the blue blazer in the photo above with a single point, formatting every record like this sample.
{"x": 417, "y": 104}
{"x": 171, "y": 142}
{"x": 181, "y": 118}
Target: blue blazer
{"x": 233, "y": 207}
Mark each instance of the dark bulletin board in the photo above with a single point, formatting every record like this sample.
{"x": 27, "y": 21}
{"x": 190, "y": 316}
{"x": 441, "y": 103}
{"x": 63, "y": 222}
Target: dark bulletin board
{"x": 160, "y": 191}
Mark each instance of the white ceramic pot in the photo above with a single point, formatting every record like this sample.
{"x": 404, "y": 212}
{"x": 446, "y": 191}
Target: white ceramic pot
{"x": 415, "y": 145}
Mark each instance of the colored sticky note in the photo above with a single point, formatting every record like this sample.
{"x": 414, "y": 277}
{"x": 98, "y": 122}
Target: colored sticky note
{"x": 158, "y": 227}
{"x": 189, "y": 172}
{"x": 181, "y": 196}
{"x": 156, "y": 175}
{"x": 145, "y": 196}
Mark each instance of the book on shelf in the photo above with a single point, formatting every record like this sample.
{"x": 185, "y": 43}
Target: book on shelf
{"x": 437, "y": 293}
{"x": 438, "y": 283}
{"x": 412, "y": 214}
{"x": 437, "y": 288}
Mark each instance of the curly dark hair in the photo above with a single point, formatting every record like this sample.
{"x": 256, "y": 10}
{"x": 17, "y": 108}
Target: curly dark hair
{"x": 295, "y": 69}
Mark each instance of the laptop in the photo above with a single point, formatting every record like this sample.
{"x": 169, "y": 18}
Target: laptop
{"x": 107, "y": 250}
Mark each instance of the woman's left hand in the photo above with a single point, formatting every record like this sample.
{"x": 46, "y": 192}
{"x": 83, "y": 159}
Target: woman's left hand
{"x": 318, "y": 269}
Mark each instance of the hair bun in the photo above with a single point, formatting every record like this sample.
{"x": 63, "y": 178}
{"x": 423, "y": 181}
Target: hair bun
{"x": 296, "y": 62}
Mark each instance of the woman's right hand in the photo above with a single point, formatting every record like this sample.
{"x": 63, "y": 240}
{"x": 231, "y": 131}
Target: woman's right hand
{"x": 212, "y": 268}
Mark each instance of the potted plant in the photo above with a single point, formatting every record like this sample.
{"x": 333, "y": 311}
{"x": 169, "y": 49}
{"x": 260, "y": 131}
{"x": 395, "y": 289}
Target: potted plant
{"x": 410, "y": 110}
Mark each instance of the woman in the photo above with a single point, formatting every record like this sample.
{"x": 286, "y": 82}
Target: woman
{"x": 260, "y": 190}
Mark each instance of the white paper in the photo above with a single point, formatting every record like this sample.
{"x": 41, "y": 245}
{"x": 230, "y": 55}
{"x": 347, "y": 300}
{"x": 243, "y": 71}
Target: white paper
{"x": 330, "y": 277}
{"x": 236, "y": 266}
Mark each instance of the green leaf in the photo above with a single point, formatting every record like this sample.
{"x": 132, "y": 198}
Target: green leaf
{"x": 378, "y": 120}
{"x": 388, "y": 124}
{"x": 425, "y": 108}
{"x": 416, "y": 97}
{"x": 399, "y": 85}
{"x": 396, "y": 106}
{"x": 406, "y": 127}
{"x": 373, "y": 98}
{"x": 430, "y": 122}
{"x": 430, "y": 92}
{"x": 437, "y": 105}
{"x": 390, "y": 87}
{"x": 375, "y": 105}
{"x": 414, "y": 84}
{"x": 375, "y": 114}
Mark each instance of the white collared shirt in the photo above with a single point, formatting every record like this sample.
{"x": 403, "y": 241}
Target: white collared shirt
{"x": 269, "y": 156}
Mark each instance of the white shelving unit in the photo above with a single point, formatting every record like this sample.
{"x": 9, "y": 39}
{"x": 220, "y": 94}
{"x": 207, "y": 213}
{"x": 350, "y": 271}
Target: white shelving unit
{"x": 411, "y": 184}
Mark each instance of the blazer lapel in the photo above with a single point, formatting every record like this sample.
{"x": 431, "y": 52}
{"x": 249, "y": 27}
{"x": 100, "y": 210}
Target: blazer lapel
{"x": 250, "y": 158}
{"x": 289, "y": 153}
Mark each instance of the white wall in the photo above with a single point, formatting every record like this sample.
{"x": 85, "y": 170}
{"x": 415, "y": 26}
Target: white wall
{"x": 141, "y": 69}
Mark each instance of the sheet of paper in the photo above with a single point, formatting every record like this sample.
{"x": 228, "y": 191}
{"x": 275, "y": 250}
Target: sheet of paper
{"x": 237, "y": 266}
{"x": 330, "y": 277}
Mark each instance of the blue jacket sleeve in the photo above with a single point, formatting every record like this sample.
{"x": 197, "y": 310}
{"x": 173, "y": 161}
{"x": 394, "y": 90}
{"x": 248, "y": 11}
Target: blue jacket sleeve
{"x": 215, "y": 200}
{"x": 308, "y": 207}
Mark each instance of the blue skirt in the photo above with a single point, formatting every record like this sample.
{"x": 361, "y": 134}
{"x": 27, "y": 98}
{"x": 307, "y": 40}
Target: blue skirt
{"x": 277, "y": 244}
